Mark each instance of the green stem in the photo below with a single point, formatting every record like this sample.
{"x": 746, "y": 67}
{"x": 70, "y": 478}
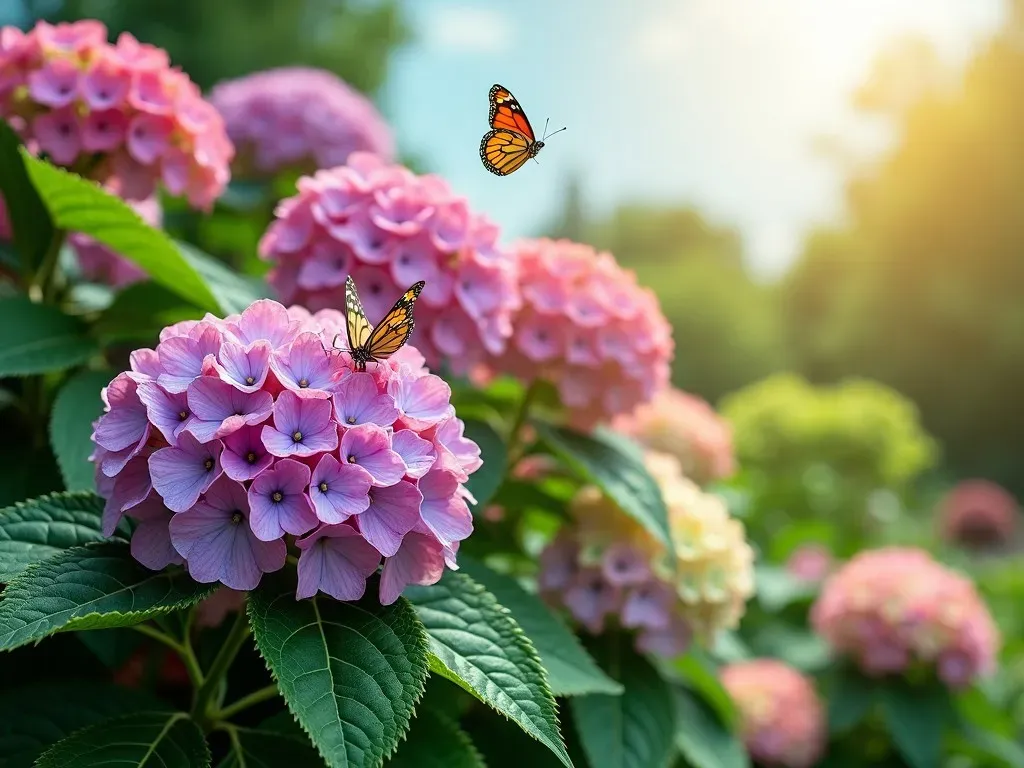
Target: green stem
{"x": 251, "y": 700}
{"x": 515, "y": 435}
{"x": 44, "y": 285}
{"x": 184, "y": 650}
{"x": 214, "y": 677}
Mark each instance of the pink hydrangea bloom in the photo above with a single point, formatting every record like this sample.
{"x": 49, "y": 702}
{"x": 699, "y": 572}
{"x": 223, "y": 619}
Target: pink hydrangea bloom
{"x": 297, "y": 117}
{"x": 684, "y": 426}
{"x": 781, "y": 717}
{"x": 893, "y": 607}
{"x": 978, "y": 514}
{"x": 810, "y": 563}
{"x": 233, "y": 436}
{"x": 118, "y": 113}
{"x": 98, "y": 263}
{"x": 390, "y": 228}
{"x": 588, "y": 328}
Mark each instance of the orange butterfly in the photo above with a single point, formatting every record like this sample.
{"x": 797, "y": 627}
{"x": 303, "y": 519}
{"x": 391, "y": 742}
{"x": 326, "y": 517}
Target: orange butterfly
{"x": 511, "y": 143}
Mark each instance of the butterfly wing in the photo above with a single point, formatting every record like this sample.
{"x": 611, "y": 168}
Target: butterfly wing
{"x": 396, "y": 327}
{"x": 506, "y": 112}
{"x": 504, "y": 152}
{"x": 359, "y": 328}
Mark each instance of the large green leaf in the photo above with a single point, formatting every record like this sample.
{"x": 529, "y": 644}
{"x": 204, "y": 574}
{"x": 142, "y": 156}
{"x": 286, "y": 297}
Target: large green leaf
{"x": 351, "y": 673}
{"x": 435, "y": 741}
{"x": 33, "y": 228}
{"x": 571, "y": 670}
{"x": 140, "y": 311}
{"x": 485, "y": 481}
{"x": 476, "y": 643}
{"x": 634, "y": 730}
{"x": 144, "y": 740}
{"x": 271, "y": 747}
{"x": 35, "y": 530}
{"x": 700, "y": 674}
{"x": 79, "y": 205}
{"x": 616, "y": 466}
{"x": 94, "y": 586}
{"x": 36, "y": 716}
{"x": 702, "y": 737}
{"x": 77, "y": 406}
{"x": 916, "y": 718}
{"x": 38, "y": 338}
{"x": 234, "y": 292}
{"x": 850, "y": 697}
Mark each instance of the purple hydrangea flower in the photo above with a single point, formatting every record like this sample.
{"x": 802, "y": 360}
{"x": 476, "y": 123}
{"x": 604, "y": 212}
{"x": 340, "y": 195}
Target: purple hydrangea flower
{"x": 279, "y": 502}
{"x": 649, "y": 605}
{"x": 182, "y": 357}
{"x": 169, "y": 413}
{"x": 218, "y": 543}
{"x": 336, "y": 560}
{"x": 422, "y": 402}
{"x": 244, "y": 367}
{"x": 303, "y": 364}
{"x": 420, "y": 560}
{"x": 359, "y": 401}
{"x": 591, "y": 599}
{"x": 245, "y": 456}
{"x": 151, "y": 542}
{"x": 624, "y": 565}
{"x": 302, "y": 426}
{"x": 339, "y": 489}
{"x": 392, "y": 513}
{"x": 417, "y": 454}
{"x": 180, "y": 474}
{"x": 219, "y": 409}
{"x": 369, "y": 446}
{"x": 443, "y": 511}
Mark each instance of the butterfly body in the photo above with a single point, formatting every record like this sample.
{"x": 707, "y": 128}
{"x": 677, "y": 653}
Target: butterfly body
{"x": 511, "y": 141}
{"x": 370, "y": 344}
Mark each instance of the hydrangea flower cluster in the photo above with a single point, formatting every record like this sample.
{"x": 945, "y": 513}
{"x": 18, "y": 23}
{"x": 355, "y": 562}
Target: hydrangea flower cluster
{"x": 97, "y": 262}
{"x": 390, "y": 228}
{"x": 895, "y": 607}
{"x": 233, "y": 435}
{"x": 685, "y": 426}
{"x": 119, "y": 113}
{"x": 298, "y": 117}
{"x": 607, "y": 567}
{"x": 810, "y": 563}
{"x": 978, "y": 514}
{"x": 781, "y": 717}
{"x": 589, "y": 329}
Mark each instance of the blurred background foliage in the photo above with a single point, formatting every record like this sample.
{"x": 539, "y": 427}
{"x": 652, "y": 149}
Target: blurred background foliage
{"x": 919, "y": 286}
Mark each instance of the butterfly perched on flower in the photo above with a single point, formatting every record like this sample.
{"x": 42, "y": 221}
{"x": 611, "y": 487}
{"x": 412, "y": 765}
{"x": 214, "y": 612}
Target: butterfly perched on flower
{"x": 510, "y": 142}
{"x": 367, "y": 343}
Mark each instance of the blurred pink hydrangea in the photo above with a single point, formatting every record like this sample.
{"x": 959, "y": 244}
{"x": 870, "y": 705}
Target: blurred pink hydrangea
{"x": 298, "y": 117}
{"x": 390, "y": 228}
{"x": 810, "y": 563}
{"x": 781, "y": 717}
{"x": 233, "y": 435}
{"x": 117, "y": 113}
{"x": 586, "y": 327}
{"x": 606, "y": 566}
{"x": 685, "y": 426}
{"x": 893, "y": 607}
{"x": 978, "y": 514}
{"x": 98, "y": 263}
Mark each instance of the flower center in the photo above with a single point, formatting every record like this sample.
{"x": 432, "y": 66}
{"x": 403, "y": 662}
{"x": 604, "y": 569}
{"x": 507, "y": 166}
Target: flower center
{"x": 297, "y": 436}
{"x": 303, "y": 383}
{"x": 251, "y": 457}
{"x": 323, "y": 487}
{"x": 250, "y": 380}
{"x": 351, "y": 459}
{"x": 182, "y": 415}
{"x": 236, "y": 517}
{"x": 277, "y": 497}
{"x": 351, "y": 420}
{"x": 208, "y": 463}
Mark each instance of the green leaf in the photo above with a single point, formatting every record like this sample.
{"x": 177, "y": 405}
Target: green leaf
{"x": 77, "y": 406}
{"x": 33, "y": 229}
{"x": 850, "y": 697}
{"x": 702, "y": 737}
{"x": 140, "y": 311}
{"x": 475, "y": 643}
{"x": 94, "y": 586}
{"x": 616, "y": 466}
{"x": 351, "y": 673}
{"x": 38, "y": 338}
{"x": 436, "y": 741}
{"x": 234, "y": 292}
{"x": 991, "y": 744}
{"x": 145, "y": 740}
{"x": 36, "y": 716}
{"x": 271, "y": 747}
{"x": 778, "y": 588}
{"x": 35, "y": 530}
{"x": 571, "y": 670}
{"x": 634, "y": 730}
{"x": 79, "y": 205}
{"x": 485, "y": 481}
{"x": 700, "y": 675}
{"x": 916, "y": 718}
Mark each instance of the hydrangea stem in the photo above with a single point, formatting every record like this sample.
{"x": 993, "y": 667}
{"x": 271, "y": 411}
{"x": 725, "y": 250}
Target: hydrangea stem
{"x": 515, "y": 435}
{"x": 183, "y": 649}
{"x": 212, "y": 685}
{"x": 250, "y": 700}
{"x": 44, "y": 284}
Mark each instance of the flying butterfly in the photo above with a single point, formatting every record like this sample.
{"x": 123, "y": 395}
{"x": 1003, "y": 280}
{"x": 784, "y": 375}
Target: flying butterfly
{"x": 510, "y": 142}
{"x": 373, "y": 344}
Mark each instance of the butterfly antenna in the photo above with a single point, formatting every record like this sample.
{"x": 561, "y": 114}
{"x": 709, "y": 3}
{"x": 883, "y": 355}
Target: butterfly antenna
{"x": 548, "y": 136}
{"x": 548, "y": 120}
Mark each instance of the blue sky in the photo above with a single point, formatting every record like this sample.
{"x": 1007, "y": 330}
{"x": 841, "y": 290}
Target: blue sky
{"x": 714, "y": 103}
